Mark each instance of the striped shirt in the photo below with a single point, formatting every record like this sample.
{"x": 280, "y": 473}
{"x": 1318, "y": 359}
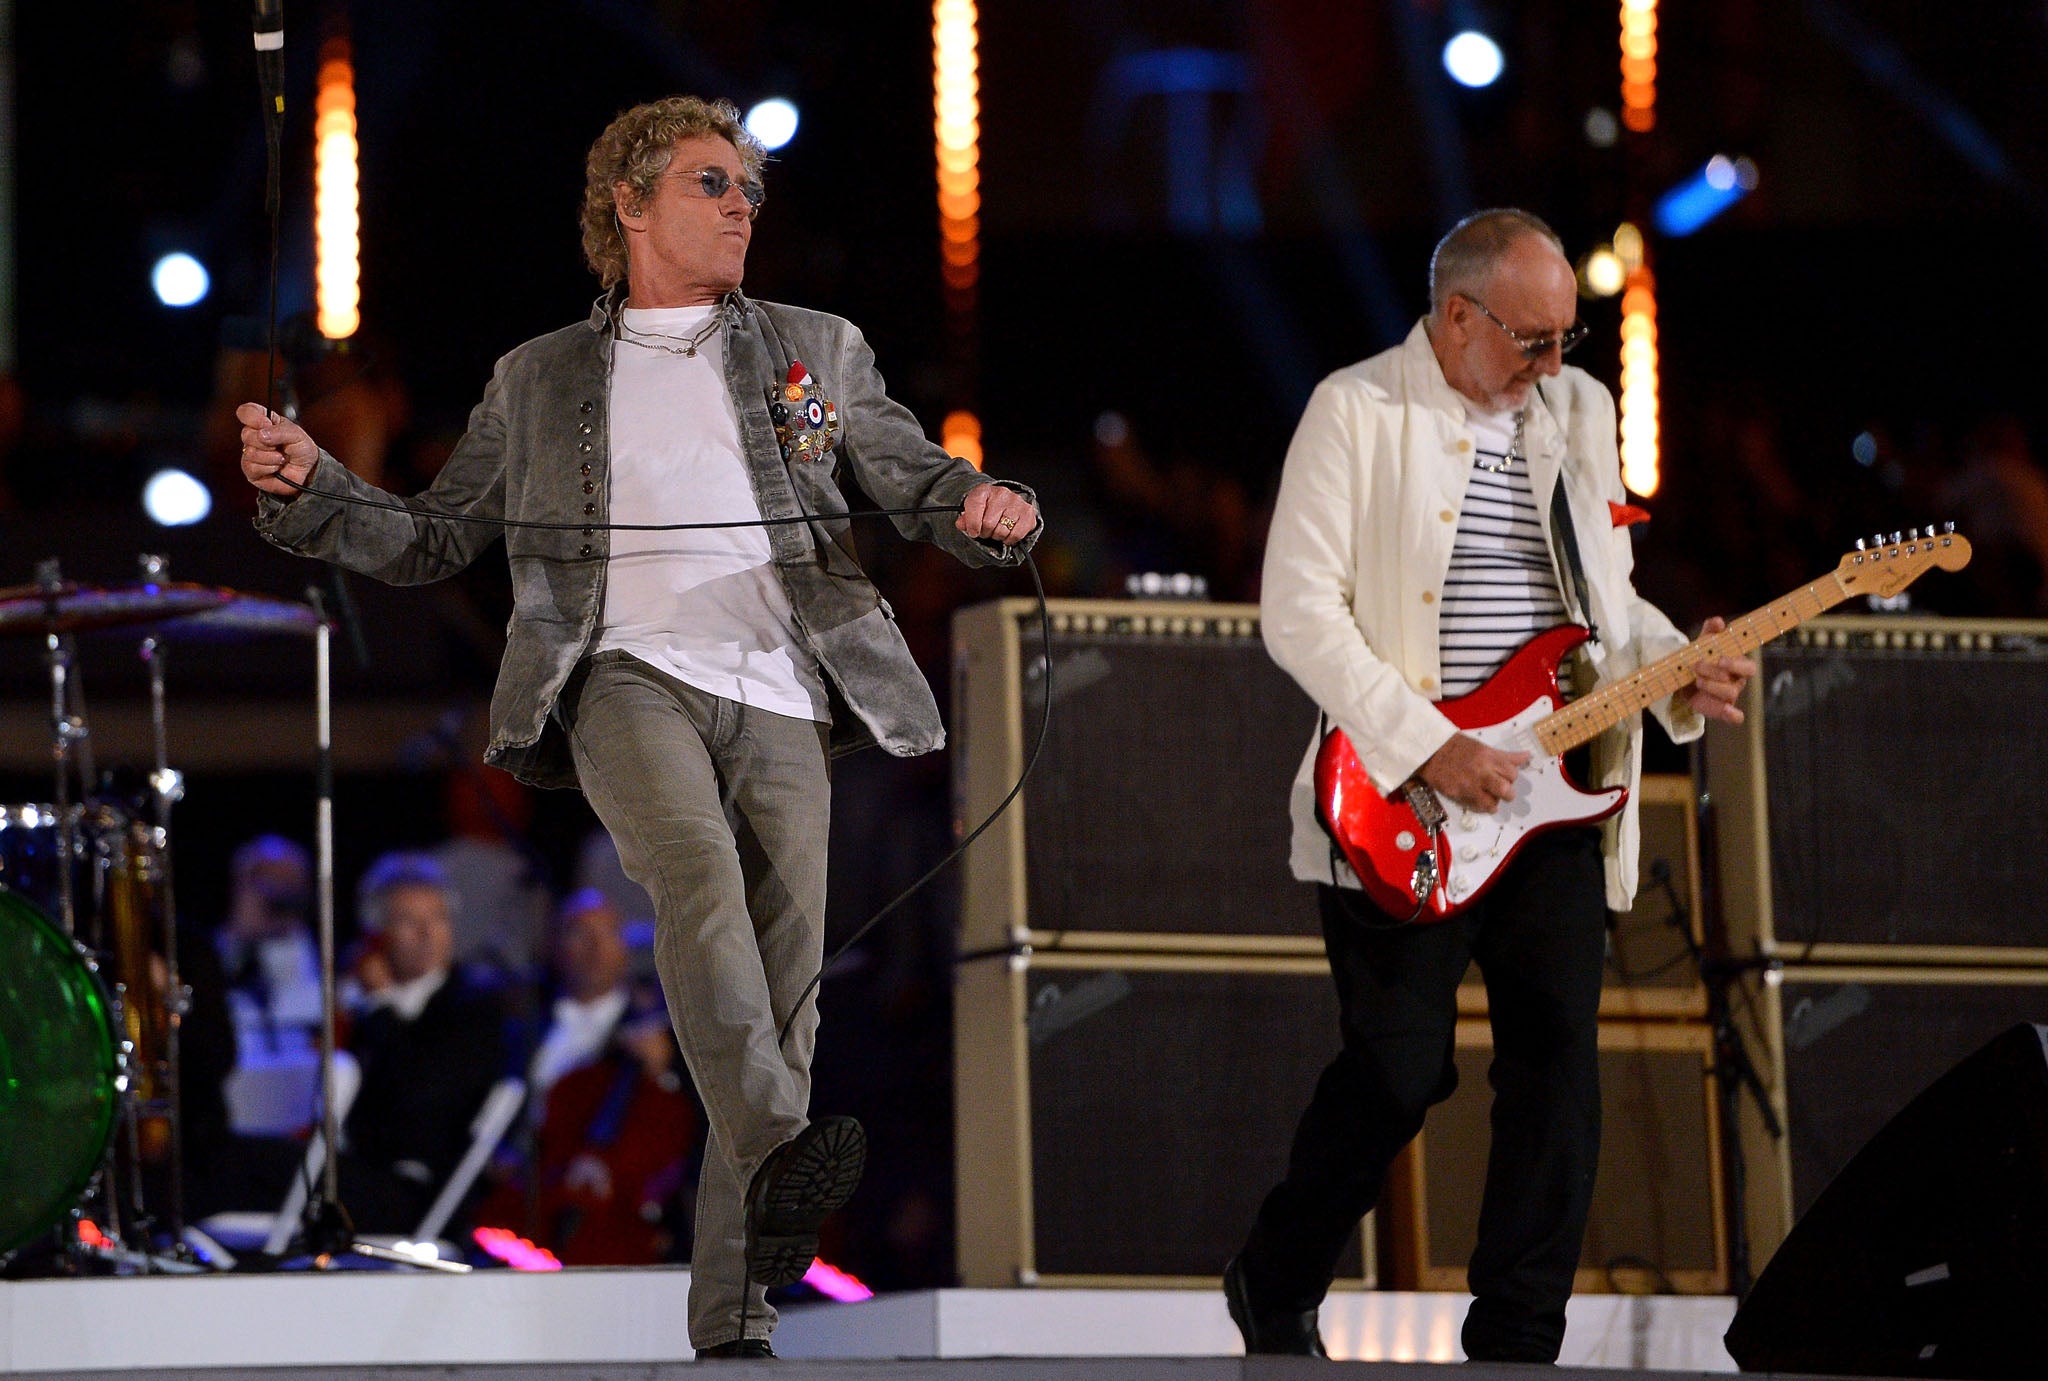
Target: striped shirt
{"x": 1500, "y": 591}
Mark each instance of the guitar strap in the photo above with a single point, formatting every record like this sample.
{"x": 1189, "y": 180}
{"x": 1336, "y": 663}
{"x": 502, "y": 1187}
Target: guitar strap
{"x": 1562, "y": 531}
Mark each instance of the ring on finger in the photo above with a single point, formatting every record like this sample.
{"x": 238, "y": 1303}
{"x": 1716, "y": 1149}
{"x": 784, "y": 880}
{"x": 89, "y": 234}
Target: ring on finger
{"x": 1007, "y": 524}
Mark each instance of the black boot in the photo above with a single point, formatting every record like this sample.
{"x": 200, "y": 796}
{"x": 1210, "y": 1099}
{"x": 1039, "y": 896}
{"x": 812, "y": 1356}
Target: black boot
{"x": 803, "y": 1182}
{"x": 738, "y": 1347}
{"x": 1267, "y": 1329}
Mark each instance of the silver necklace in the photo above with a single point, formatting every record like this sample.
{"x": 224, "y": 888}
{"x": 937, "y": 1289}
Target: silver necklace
{"x": 1494, "y": 466}
{"x": 686, "y": 346}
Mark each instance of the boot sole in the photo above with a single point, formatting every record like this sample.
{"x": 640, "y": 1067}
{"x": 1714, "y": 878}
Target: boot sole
{"x": 813, "y": 1179}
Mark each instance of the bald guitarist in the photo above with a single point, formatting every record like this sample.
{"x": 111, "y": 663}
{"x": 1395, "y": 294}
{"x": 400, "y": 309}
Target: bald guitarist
{"x": 1442, "y": 503}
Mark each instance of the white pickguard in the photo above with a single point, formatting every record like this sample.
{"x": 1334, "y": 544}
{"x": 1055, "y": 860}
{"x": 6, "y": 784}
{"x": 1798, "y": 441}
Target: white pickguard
{"x": 1479, "y": 844}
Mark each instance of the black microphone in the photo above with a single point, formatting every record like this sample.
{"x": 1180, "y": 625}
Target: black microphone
{"x": 269, "y": 24}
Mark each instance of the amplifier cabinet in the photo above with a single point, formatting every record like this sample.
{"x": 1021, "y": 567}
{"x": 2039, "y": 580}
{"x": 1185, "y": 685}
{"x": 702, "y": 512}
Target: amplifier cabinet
{"x": 1650, "y": 972}
{"x": 1157, "y": 816}
{"x": 1842, "y": 1050}
{"x": 1657, "y": 1222}
{"x": 1881, "y": 802}
{"x": 1120, "y": 1117}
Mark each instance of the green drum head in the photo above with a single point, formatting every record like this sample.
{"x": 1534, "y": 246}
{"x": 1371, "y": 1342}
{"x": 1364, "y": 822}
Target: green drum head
{"x": 57, "y": 1073}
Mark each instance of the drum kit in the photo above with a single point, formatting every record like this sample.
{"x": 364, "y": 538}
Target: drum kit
{"x": 90, "y": 995}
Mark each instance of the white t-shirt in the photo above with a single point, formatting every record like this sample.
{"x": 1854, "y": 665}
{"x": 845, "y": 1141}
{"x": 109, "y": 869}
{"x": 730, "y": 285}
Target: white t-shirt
{"x": 706, "y": 607}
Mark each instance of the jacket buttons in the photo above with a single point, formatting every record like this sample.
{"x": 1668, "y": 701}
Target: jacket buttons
{"x": 1448, "y": 516}
{"x": 585, "y": 408}
{"x": 1428, "y": 683}
{"x": 589, "y": 509}
{"x": 585, "y": 428}
{"x": 588, "y": 487}
{"x": 586, "y": 532}
{"x": 1429, "y": 596}
{"x": 583, "y": 446}
{"x": 586, "y": 549}
{"x": 1463, "y": 444}
{"x": 586, "y": 467}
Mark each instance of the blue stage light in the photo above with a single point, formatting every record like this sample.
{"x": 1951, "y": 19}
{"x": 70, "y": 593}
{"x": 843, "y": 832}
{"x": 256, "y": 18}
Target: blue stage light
{"x": 773, "y": 122}
{"x": 1705, "y": 195}
{"x": 1473, "y": 59}
{"x": 179, "y": 280}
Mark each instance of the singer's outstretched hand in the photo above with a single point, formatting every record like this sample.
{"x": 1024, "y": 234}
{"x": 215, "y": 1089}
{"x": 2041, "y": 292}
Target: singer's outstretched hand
{"x": 999, "y": 514}
{"x": 274, "y": 450}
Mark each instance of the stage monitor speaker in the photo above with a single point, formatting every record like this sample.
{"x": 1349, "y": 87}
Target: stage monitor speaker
{"x": 1872, "y": 809}
{"x": 1657, "y": 1222}
{"x": 1928, "y": 1254}
{"x": 1843, "y": 1050}
{"x": 1157, "y": 817}
{"x": 1120, "y": 1117}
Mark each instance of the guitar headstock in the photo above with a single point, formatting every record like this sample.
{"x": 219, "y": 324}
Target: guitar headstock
{"x": 1887, "y": 563}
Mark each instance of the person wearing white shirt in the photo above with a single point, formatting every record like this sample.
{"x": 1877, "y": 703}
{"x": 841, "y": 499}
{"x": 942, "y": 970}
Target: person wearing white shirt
{"x": 590, "y": 970}
{"x": 1411, "y": 551}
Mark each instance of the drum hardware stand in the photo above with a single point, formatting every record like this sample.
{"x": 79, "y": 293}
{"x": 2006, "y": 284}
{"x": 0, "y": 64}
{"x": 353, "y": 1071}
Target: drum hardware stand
{"x": 167, "y": 788}
{"x": 59, "y": 653}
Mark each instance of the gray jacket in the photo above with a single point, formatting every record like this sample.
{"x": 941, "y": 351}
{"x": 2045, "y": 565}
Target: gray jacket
{"x": 537, "y": 450}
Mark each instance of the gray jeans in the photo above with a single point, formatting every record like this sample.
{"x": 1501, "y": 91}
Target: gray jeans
{"x": 722, "y": 813}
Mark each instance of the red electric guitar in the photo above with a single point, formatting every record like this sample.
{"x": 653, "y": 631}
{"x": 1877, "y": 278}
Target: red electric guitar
{"x": 1428, "y": 859}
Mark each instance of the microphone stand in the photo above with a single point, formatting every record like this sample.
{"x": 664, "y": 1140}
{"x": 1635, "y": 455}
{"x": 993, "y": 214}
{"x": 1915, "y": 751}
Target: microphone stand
{"x": 1734, "y": 1071}
{"x": 326, "y": 1229}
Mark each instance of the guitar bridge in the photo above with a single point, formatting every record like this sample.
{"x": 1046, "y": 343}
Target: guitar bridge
{"x": 1430, "y": 812}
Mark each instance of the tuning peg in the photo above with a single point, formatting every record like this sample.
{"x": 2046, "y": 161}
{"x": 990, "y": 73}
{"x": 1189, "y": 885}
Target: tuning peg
{"x": 1877, "y": 539}
{"x": 1859, "y": 544}
{"x": 1898, "y": 537}
{"x": 1913, "y": 533}
{"x": 1948, "y": 527}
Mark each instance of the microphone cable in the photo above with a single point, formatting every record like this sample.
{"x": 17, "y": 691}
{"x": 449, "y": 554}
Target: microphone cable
{"x": 1016, "y": 788}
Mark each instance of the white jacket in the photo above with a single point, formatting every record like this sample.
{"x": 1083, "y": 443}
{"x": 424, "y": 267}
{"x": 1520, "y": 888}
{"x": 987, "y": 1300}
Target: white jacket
{"x": 1360, "y": 546}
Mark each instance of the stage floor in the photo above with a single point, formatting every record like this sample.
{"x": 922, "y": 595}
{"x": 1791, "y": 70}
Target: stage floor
{"x": 630, "y": 1323}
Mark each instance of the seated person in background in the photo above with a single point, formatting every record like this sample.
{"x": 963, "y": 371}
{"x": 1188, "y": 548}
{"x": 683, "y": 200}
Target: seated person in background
{"x": 431, "y": 1045}
{"x": 590, "y": 959}
{"x": 267, "y": 953}
{"x": 612, "y": 1150}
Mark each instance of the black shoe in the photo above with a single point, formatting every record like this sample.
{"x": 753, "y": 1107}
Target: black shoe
{"x": 1269, "y": 1330}
{"x": 802, "y": 1183}
{"x": 738, "y": 1347}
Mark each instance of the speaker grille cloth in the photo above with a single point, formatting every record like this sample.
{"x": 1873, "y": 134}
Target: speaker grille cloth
{"x": 1904, "y": 791}
{"x": 1160, "y": 1120}
{"x": 1857, "y": 1053}
{"x": 1161, "y": 803}
{"x": 1652, "y": 1200}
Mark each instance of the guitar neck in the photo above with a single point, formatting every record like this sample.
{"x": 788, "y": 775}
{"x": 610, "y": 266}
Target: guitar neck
{"x": 1587, "y": 718}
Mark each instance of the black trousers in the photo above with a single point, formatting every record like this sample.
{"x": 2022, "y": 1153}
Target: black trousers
{"x": 1540, "y": 939}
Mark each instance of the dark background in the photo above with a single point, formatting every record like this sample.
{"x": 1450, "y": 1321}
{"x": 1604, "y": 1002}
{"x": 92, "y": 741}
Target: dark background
{"x": 1886, "y": 277}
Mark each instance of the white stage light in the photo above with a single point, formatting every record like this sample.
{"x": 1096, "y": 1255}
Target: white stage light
{"x": 773, "y": 122}
{"x": 1473, "y": 59}
{"x": 173, "y": 498}
{"x": 179, "y": 280}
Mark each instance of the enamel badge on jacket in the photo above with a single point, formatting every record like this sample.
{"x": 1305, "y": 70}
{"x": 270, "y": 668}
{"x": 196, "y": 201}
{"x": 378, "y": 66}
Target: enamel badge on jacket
{"x": 806, "y": 422}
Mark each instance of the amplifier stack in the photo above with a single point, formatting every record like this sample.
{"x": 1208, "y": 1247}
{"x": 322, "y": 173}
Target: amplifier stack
{"x": 1881, "y": 872}
{"x": 1143, "y": 1007}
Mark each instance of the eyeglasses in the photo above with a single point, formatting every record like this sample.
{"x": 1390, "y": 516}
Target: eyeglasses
{"x": 1534, "y": 347}
{"x": 716, "y": 182}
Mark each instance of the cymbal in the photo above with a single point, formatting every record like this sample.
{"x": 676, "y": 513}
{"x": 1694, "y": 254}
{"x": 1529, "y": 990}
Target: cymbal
{"x": 243, "y": 616}
{"x": 75, "y": 608}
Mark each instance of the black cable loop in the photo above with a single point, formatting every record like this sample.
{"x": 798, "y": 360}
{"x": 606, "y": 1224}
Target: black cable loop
{"x": 1045, "y": 638}
{"x": 394, "y": 506}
